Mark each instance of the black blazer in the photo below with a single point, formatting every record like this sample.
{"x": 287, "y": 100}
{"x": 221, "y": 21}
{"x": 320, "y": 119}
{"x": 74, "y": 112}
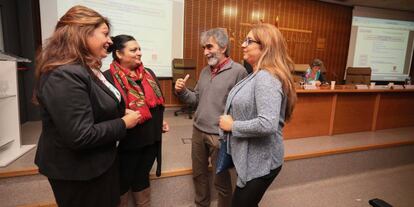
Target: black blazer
{"x": 81, "y": 124}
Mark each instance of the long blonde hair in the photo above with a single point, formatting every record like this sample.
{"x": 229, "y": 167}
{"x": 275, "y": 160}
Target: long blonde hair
{"x": 276, "y": 60}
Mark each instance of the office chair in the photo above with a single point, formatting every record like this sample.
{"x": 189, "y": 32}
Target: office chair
{"x": 358, "y": 75}
{"x": 182, "y": 67}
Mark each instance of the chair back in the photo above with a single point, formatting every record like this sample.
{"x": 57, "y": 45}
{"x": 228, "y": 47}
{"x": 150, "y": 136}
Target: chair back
{"x": 301, "y": 68}
{"x": 358, "y": 75}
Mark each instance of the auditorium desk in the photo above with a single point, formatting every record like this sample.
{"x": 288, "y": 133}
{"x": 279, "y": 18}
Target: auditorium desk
{"x": 324, "y": 112}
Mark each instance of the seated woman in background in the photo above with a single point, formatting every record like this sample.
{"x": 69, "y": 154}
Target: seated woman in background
{"x": 313, "y": 74}
{"x": 141, "y": 92}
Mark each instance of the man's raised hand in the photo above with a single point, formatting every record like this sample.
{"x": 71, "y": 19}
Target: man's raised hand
{"x": 180, "y": 84}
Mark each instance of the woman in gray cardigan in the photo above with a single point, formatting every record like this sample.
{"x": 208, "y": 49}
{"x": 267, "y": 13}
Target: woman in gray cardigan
{"x": 257, "y": 108}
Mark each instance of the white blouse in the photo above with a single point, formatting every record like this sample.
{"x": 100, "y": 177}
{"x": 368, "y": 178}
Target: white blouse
{"x": 112, "y": 88}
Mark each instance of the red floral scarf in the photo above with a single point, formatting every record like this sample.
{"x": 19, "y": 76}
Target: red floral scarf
{"x": 135, "y": 98}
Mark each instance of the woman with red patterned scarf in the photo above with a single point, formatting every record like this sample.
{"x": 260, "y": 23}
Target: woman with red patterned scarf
{"x": 140, "y": 92}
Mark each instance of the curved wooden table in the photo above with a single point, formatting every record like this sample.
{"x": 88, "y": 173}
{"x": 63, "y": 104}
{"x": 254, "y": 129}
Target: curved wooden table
{"x": 322, "y": 112}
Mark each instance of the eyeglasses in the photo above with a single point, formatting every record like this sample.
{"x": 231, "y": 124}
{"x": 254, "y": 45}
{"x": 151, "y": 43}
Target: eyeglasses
{"x": 249, "y": 41}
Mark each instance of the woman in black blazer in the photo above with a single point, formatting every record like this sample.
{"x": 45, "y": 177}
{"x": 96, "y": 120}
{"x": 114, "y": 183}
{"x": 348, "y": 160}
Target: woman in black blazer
{"x": 80, "y": 113}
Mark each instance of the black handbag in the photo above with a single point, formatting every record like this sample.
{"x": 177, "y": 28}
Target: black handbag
{"x": 224, "y": 160}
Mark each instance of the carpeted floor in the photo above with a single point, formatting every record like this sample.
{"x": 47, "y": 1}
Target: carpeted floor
{"x": 317, "y": 182}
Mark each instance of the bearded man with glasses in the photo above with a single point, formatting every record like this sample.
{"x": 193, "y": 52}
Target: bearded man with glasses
{"x": 210, "y": 94}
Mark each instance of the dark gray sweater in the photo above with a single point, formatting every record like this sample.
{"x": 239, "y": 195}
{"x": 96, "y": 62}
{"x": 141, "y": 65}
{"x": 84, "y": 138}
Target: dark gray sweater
{"x": 210, "y": 95}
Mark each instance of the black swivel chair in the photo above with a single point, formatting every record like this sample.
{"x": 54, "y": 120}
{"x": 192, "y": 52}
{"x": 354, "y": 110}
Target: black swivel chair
{"x": 182, "y": 67}
{"x": 358, "y": 75}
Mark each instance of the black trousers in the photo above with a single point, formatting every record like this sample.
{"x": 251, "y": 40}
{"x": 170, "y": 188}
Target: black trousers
{"x": 251, "y": 194}
{"x": 102, "y": 191}
{"x": 135, "y": 166}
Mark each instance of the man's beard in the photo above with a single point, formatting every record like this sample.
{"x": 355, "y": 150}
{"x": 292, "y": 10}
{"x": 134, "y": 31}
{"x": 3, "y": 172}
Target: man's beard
{"x": 213, "y": 60}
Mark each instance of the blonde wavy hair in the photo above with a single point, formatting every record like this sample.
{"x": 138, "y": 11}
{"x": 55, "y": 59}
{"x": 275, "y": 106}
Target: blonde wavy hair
{"x": 276, "y": 60}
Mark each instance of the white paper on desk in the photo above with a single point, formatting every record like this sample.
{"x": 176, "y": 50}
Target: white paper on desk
{"x": 310, "y": 87}
{"x": 381, "y": 87}
{"x": 361, "y": 86}
{"x": 397, "y": 87}
{"x": 409, "y": 86}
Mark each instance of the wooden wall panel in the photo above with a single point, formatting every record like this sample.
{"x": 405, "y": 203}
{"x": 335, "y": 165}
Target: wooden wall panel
{"x": 354, "y": 112}
{"x": 324, "y": 21}
{"x": 395, "y": 110}
{"x": 311, "y": 116}
{"x": 167, "y": 89}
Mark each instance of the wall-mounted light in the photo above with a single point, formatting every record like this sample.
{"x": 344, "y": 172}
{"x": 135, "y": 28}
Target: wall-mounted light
{"x": 257, "y": 15}
{"x": 229, "y": 11}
